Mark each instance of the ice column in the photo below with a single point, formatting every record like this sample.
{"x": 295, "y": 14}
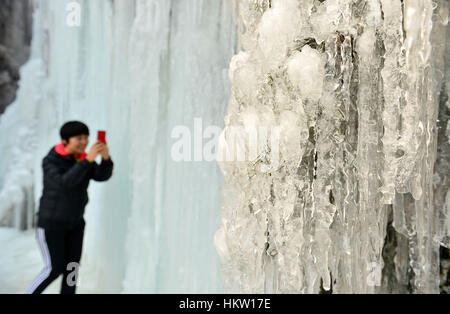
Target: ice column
{"x": 355, "y": 88}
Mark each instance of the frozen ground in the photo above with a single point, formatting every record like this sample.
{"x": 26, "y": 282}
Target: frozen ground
{"x": 21, "y": 261}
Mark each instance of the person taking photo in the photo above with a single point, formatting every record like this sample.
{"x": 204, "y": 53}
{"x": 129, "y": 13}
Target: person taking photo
{"x": 67, "y": 171}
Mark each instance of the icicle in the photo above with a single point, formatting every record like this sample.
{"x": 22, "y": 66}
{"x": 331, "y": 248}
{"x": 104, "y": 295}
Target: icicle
{"x": 359, "y": 75}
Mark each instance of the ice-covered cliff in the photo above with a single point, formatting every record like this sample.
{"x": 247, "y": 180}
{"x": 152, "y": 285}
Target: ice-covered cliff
{"x": 137, "y": 69}
{"x": 354, "y": 89}
{"x": 343, "y": 186}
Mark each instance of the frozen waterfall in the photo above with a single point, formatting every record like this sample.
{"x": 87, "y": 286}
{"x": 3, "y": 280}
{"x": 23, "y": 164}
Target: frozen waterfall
{"x": 341, "y": 108}
{"x": 136, "y": 69}
{"x": 355, "y": 88}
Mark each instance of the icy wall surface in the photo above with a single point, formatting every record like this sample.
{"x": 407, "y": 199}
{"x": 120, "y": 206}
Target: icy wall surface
{"x": 354, "y": 88}
{"x": 348, "y": 190}
{"x": 136, "y": 69}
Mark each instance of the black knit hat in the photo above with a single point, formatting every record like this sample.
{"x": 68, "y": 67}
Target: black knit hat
{"x": 73, "y": 128}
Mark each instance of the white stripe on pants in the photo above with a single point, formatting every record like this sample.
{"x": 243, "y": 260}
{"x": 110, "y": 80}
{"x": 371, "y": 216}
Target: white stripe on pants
{"x": 48, "y": 264}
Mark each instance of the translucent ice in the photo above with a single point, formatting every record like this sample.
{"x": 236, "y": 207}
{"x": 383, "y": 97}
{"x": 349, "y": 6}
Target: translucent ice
{"x": 357, "y": 88}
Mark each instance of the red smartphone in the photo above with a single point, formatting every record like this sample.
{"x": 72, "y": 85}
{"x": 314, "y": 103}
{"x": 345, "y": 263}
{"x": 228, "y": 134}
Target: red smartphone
{"x": 101, "y": 136}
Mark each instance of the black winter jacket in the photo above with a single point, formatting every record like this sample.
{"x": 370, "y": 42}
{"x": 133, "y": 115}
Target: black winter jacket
{"x": 64, "y": 195}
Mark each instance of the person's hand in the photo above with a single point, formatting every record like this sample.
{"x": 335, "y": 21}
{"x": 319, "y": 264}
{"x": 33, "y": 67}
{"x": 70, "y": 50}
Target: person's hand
{"x": 94, "y": 151}
{"x": 104, "y": 151}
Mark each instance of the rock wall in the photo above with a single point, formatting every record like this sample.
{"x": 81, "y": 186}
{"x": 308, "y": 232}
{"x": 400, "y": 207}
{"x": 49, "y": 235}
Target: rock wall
{"x": 15, "y": 39}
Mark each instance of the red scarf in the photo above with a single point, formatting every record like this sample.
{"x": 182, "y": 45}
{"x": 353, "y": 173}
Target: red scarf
{"x": 61, "y": 149}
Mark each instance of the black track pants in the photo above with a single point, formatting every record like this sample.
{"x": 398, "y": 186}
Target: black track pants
{"x": 61, "y": 251}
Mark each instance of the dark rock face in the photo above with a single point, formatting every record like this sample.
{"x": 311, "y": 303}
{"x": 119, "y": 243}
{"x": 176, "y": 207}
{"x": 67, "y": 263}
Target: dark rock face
{"x": 15, "y": 40}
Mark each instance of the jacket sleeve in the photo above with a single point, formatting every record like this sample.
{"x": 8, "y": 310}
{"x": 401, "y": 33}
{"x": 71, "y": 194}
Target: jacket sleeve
{"x": 69, "y": 179}
{"x": 103, "y": 171}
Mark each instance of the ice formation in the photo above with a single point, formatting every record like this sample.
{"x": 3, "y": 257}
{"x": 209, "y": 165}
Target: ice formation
{"x": 136, "y": 69}
{"x": 356, "y": 87}
{"x": 350, "y": 102}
